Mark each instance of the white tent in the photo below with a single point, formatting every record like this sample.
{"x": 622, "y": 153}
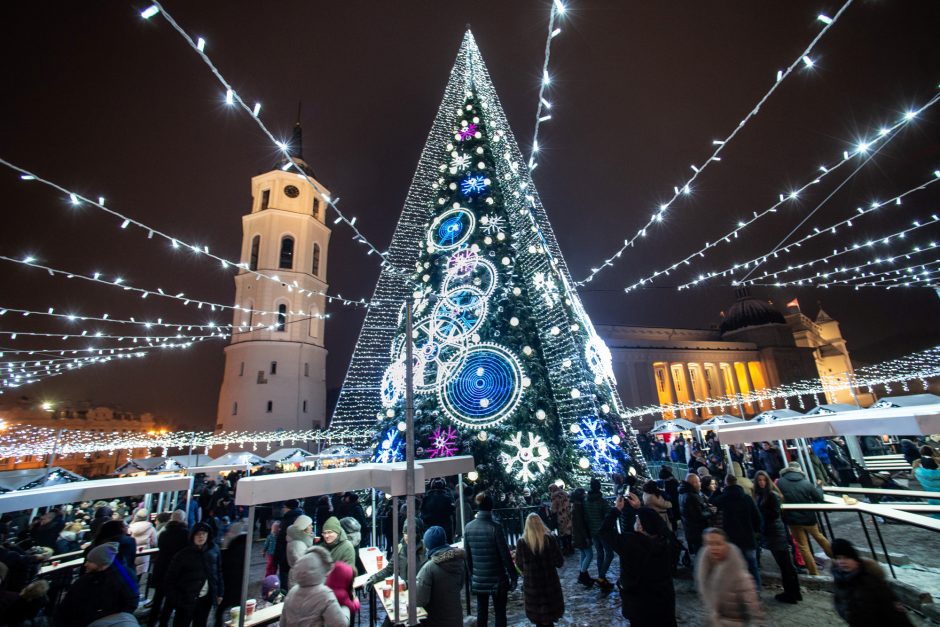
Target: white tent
{"x": 773, "y": 415}
{"x": 240, "y": 458}
{"x": 288, "y": 455}
{"x": 924, "y": 420}
{"x": 192, "y": 460}
{"x": 722, "y": 419}
{"x": 97, "y": 490}
{"x": 12, "y": 480}
{"x": 675, "y": 425}
{"x": 830, "y": 408}
{"x": 910, "y": 400}
{"x": 148, "y": 464}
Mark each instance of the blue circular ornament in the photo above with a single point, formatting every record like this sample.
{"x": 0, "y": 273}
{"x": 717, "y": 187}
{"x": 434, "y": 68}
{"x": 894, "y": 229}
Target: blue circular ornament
{"x": 451, "y": 229}
{"x": 484, "y": 388}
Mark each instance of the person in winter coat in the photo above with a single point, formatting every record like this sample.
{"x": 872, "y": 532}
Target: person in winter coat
{"x": 145, "y": 537}
{"x": 340, "y": 581}
{"x": 561, "y": 510}
{"x": 232, "y": 562}
{"x": 69, "y": 538}
{"x": 103, "y": 514}
{"x": 595, "y": 511}
{"x": 581, "y": 537}
{"x": 420, "y": 555}
{"x": 539, "y": 558}
{"x": 116, "y": 531}
{"x": 741, "y": 520}
{"x": 47, "y": 529}
{"x": 492, "y": 571}
{"x": 654, "y": 499}
{"x": 106, "y": 588}
{"x": 336, "y": 542}
{"x": 770, "y": 460}
{"x": 646, "y": 588}
{"x": 694, "y": 510}
{"x": 299, "y": 539}
{"x": 726, "y": 589}
{"x": 743, "y": 481}
{"x": 861, "y": 595}
{"x": 437, "y": 508}
{"x": 270, "y": 567}
{"x": 21, "y": 607}
{"x": 310, "y": 602}
{"x": 324, "y": 510}
{"x": 774, "y": 535}
{"x": 928, "y": 476}
{"x": 173, "y": 539}
{"x": 290, "y": 512}
{"x": 194, "y": 580}
{"x": 671, "y": 491}
{"x": 440, "y": 580}
{"x": 796, "y": 488}
{"x": 353, "y": 530}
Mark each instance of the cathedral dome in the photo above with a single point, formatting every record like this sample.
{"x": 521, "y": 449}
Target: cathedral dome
{"x": 749, "y": 311}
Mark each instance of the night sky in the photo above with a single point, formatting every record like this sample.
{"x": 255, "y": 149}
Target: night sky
{"x": 104, "y": 102}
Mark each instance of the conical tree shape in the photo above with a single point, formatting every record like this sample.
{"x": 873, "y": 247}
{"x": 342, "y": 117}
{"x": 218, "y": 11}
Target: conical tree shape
{"x": 507, "y": 363}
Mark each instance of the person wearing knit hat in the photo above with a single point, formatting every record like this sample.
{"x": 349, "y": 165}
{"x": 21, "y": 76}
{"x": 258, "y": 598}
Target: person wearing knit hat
{"x": 336, "y": 542}
{"x": 106, "y": 588}
{"x": 194, "y": 579}
{"x": 299, "y": 539}
{"x": 796, "y": 488}
{"x": 440, "y": 581}
{"x": 860, "y": 593}
{"x": 492, "y": 571}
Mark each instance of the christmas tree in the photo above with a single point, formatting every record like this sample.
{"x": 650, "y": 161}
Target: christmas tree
{"x": 507, "y": 365}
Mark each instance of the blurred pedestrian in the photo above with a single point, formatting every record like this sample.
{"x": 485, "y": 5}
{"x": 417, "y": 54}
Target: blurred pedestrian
{"x": 194, "y": 580}
{"x": 741, "y": 520}
{"x": 725, "y": 587}
{"x": 862, "y": 597}
{"x": 173, "y": 539}
{"x": 107, "y": 587}
{"x": 581, "y": 537}
{"x": 774, "y": 535}
{"x": 310, "y": 602}
{"x": 796, "y": 488}
{"x": 695, "y": 512}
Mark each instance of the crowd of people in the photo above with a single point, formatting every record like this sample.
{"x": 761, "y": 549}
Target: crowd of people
{"x": 712, "y": 524}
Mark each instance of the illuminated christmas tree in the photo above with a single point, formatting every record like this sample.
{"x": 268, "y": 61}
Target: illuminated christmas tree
{"x": 507, "y": 365}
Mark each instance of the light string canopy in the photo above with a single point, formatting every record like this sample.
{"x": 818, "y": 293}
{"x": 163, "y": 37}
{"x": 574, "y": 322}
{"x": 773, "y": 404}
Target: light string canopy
{"x": 804, "y": 60}
{"x": 919, "y": 366}
{"x": 100, "y": 350}
{"x": 831, "y": 229}
{"x": 851, "y": 248}
{"x": 826, "y": 279}
{"x": 232, "y": 98}
{"x": 13, "y": 375}
{"x": 76, "y": 199}
{"x": 879, "y": 139}
{"x": 543, "y": 108}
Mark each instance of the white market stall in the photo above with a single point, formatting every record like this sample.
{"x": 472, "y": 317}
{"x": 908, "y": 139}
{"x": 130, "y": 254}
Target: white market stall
{"x": 390, "y": 478}
{"x": 240, "y": 458}
{"x": 96, "y": 490}
{"x": 192, "y": 460}
{"x": 147, "y": 465}
{"x": 13, "y": 480}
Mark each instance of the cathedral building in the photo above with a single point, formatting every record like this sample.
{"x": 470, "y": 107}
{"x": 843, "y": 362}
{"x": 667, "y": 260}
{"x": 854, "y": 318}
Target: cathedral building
{"x": 754, "y": 347}
{"x": 275, "y": 363}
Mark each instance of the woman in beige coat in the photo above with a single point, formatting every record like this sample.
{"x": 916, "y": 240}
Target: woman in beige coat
{"x": 654, "y": 499}
{"x": 725, "y": 586}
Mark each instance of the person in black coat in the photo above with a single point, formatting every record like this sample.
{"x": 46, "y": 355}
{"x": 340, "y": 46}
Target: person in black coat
{"x": 172, "y": 539}
{"x": 492, "y": 571}
{"x": 671, "y": 489}
{"x": 289, "y": 514}
{"x": 774, "y": 536}
{"x": 861, "y": 595}
{"x": 102, "y": 515}
{"x": 194, "y": 580}
{"x": 106, "y": 588}
{"x": 771, "y": 460}
{"x": 48, "y": 527}
{"x": 437, "y": 508}
{"x": 695, "y": 512}
{"x": 647, "y": 555}
{"x": 116, "y": 531}
{"x": 233, "y": 565}
{"x": 741, "y": 520}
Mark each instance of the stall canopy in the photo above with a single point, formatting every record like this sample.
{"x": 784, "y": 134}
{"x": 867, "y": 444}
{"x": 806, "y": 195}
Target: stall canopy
{"x": 192, "y": 460}
{"x": 830, "y": 408}
{"x": 911, "y": 400}
{"x": 148, "y": 464}
{"x": 98, "y": 490}
{"x": 240, "y": 458}
{"x": 673, "y": 426}
{"x": 920, "y": 420}
{"x": 714, "y": 422}
{"x": 13, "y": 480}
{"x": 773, "y": 415}
{"x": 216, "y": 468}
{"x": 285, "y": 455}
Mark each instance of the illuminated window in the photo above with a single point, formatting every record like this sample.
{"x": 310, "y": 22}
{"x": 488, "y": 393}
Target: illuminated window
{"x": 287, "y": 253}
{"x": 315, "y": 266}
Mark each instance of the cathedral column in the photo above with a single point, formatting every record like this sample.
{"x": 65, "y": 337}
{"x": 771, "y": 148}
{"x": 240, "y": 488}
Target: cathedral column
{"x": 687, "y": 381}
{"x": 750, "y": 386}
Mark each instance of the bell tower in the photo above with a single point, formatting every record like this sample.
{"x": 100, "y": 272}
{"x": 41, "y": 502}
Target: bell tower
{"x": 275, "y": 363}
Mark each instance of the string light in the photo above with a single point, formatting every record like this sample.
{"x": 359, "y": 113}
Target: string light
{"x": 557, "y": 8}
{"x": 816, "y": 232}
{"x": 100, "y": 350}
{"x": 720, "y": 145}
{"x": 826, "y": 280}
{"x": 231, "y": 96}
{"x": 103, "y": 336}
{"x": 175, "y": 242}
{"x": 886, "y": 134}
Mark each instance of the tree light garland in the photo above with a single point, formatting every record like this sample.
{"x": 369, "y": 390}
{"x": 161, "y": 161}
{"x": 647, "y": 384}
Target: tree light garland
{"x": 686, "y": 188}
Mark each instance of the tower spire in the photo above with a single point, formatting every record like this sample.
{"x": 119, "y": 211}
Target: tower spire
{"x": 297, "y": 138}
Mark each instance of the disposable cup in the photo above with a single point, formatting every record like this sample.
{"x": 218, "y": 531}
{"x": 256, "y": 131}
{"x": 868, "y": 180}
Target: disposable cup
{"x": 249, "y": 607}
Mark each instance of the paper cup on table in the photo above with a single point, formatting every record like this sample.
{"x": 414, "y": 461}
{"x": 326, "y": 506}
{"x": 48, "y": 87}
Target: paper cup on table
{"x": 379, "y": 560}
{"x": 249, "y": 607}
{"x": 233, "y": 615}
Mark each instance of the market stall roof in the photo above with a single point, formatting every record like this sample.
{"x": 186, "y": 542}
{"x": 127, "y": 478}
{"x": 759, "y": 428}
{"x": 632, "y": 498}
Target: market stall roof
{"x": 215, "y": 468}
{"x": 241, "y": 458}
{"x": 722, "y": 419}
{"x": 673, "y": 426}
{"x": 288, "y": 455}
{"x": 773, "y": 415}
{"x": 97, "y": 490}
{"x": 12, "y": 480}
{"x": 148, "y": 464}
{"x": 830, "y": 408}
{"x": 910, "y": 400}
{"x": 387, "y": 477}
{"x": 923, "y": 419}
{"x": 192, "y": 460}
